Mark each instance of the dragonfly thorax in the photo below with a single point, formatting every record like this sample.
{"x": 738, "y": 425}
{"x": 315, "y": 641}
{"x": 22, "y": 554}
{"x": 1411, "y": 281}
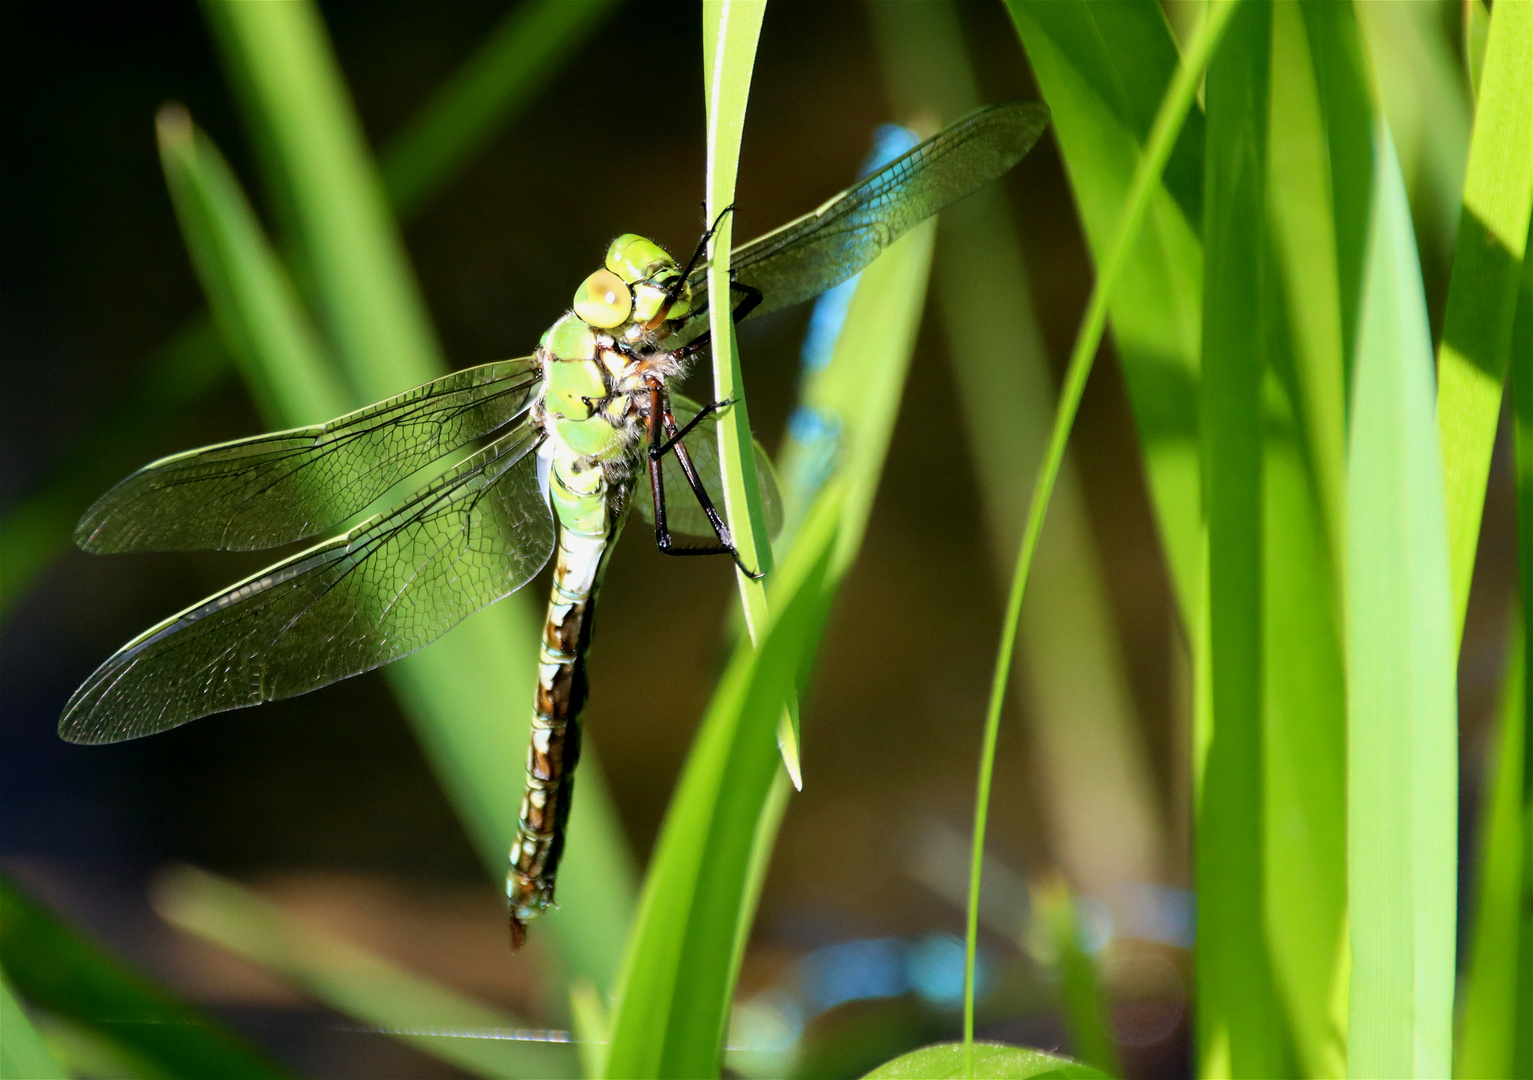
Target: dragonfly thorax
{"x": 601, "y": 359}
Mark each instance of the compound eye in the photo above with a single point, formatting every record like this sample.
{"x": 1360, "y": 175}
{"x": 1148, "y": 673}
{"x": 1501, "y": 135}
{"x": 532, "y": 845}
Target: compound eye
{"x": 603, "y": 300}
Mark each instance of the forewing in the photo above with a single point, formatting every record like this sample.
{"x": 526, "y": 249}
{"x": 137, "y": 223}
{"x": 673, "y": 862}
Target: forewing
{"x": 824, "y": 248}
{"x": 683, "y": 514}
{"x": 290, "y": 485}
{"x": 391, "y": 585}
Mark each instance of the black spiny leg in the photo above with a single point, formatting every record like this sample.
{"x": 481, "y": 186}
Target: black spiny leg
{"x": 660, "y": 413}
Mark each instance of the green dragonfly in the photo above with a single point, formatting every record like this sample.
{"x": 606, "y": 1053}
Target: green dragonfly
{"x": 568, "y": 435}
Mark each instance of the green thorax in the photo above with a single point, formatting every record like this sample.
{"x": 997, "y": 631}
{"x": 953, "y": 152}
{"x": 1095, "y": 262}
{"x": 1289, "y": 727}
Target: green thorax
{"x": 596, "y": 358}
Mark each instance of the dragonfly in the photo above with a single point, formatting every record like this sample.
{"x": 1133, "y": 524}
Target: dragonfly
{"x": 559, "y": 445}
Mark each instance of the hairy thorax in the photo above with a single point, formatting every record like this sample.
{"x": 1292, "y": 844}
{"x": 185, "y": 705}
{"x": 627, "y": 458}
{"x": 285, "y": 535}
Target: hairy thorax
{"x": 603, "y": 362}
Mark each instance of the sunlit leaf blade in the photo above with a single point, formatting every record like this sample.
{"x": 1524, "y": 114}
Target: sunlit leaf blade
{"x": 485, "y": 94}
{"x": 56, "y": 969}
{"x": 1497, "y": 991}
{"x": 459, "y": 693}
{"x": 1402, "y": 809}
{"x": 990, "y": 1060}
{"x": 705, "y": 875}
{"x": 404, "y": 1004}
{"x": 390, "y": 586}
{"x": 1102, "y": 69}
{"x": 1239, "y": 1026}
{"x": 730, "y": 32}
{"x": 1075, "y": 696}
{"x": 1482, "y": 295}
{"x": 1303, "y": 521}
{"x": 23, "y": 1055}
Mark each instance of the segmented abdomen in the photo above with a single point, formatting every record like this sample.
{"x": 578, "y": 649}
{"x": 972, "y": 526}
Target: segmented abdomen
{"x": 555, "y": 743}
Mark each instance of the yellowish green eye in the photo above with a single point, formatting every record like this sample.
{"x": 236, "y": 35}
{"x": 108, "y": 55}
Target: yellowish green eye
{"x": 603, "y": 300}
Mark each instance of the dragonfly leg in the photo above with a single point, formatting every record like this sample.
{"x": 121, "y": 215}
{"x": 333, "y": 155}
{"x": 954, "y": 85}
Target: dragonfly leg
{"x": 660, "y": 413}
{"x": 702, "y": 247}
{"x": 706, "y": 411}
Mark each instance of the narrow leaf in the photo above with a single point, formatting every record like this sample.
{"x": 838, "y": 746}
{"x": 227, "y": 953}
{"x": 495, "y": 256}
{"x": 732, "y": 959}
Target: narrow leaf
{"x": 1482, "y": 295}
{"x": 704, "y": 878}
{"x": 1402, "y": 807}
{"x": 1103, "y": 69}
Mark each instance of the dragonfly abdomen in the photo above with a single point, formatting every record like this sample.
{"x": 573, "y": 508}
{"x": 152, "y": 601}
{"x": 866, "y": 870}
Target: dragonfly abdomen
{"x": 585, "y": 534}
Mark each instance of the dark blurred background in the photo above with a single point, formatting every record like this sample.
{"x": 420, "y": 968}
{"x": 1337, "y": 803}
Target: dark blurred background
{"x": 325, "y": 801}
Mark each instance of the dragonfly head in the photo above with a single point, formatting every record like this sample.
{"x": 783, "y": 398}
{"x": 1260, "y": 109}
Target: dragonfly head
{"x": 633, "y": 287}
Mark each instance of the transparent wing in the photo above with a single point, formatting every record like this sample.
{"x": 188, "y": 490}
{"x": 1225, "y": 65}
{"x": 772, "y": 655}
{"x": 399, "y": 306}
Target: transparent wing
{"x": 683, "y": 515}
{"x": 374, "y": 594}
{"x": 824, "y": 248}
{"x": 289, "y": 485}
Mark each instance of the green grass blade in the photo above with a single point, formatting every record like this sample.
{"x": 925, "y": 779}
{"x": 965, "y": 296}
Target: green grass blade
{"x": 701, "y": 888}
{"x": 1239, "y": 1026}
{"x": 459, "y": 692}
{"x": 537, "y": 38}
{"x": 1102, "y": 68}
{"x": 1106, "y": 825}
{"x": 1403, "y": 738}
{"x": 675, "y": 990}
{"x": 23, "y": 1055}
{"x": 54, "y": 968}
{"x": 433, "y": 1018}
{"x": 254, "y": 305}
{"x": 486, "y": 94}
{"x": 1482, "y": 295}
{"x": 316, "y": 164}
{"x": 731, "y": 29}
{"x": 1164, "y": 132}
{"x": 1487, "y": 1033}
{"x": 1314, "y": 91}
{"x": 1498, "y": 983}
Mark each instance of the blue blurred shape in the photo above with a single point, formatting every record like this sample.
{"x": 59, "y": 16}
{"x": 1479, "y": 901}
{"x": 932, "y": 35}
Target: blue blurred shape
{"x": 934, "y": 967}
{"x": 853, "y": 971}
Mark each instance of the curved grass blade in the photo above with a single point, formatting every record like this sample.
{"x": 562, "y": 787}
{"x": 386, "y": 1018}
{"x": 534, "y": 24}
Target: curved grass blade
{"x": 484, "y": 95}
{"x": 1482, "y": 294}
{"x": 1241, "y": 1030}
{"x": 1173, "y": 112}
{"x": 1075, "y": 696}
{"x": 404, "y": 1004}
{"x": 1402, "y": 808}
{"x": 701, "y": 889}
{"x": 1102, "y": 69}
{"x": 56, "y": 969}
